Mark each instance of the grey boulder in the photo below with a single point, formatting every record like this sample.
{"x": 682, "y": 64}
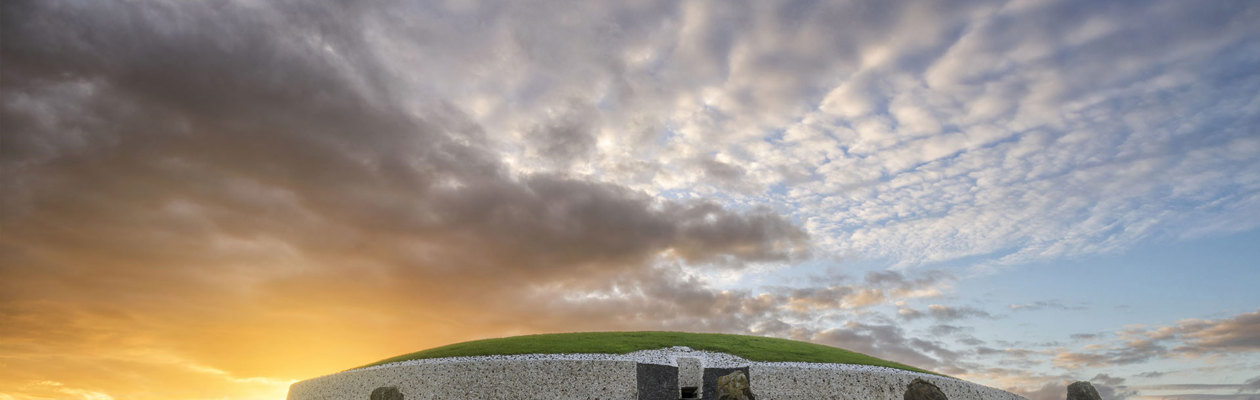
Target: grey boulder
{"x": 1082, "y": 391}
{"x": 923, "y": 390}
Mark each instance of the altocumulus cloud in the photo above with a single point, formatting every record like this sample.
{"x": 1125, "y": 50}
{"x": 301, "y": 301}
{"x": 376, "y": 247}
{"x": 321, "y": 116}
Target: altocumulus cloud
{"x": 191, "y": 184}
{"x": 242, "y": 160}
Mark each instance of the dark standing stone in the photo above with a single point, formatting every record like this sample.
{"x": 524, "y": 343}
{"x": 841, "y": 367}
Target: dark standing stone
{"x": 657, "y": 382}
{"x": 1082, "y": 391}
{"x": 711, "y": 375}
{"x": 923, "y": 390}
{"x": 386, "y": 393}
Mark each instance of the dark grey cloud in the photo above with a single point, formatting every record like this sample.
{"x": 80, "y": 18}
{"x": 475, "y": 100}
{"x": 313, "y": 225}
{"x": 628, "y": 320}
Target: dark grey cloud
{"x": 908, "y": 313}
{"x": 180, "y": 102}
{"x": 1106, "y": 379}
{"x": 944, "y": 313}
{"x": 568, "y": 136}
{"x": 971, "y": 341}
{"x": 240, "y": 161}
{"x": 948, "y": 313}
{"x": 219, "y": 155}
{"x": 724, "y": 174}
{"x": 891, "y": 342}
{"x": 946, "y": 330}
{"x": 1251, "y": 385}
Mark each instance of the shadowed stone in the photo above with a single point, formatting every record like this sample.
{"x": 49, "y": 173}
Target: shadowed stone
{"x": 923, "y": 390}
{"x": 734, "y": 386}
{"x": 386, "y": 393}
{"x": 657, "y": 382}
{"x": 1082, "y": 390}
{"x": 708, "y": 390}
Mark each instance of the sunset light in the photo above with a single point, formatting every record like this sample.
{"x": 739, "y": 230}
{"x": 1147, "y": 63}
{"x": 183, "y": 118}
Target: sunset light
{"x": 218, "y": 199}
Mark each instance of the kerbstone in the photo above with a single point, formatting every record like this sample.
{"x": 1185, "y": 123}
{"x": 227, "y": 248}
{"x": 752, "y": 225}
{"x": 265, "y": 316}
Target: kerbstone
{"x": 923, "y": 390}
{"x": 1082, "y": 390}
{"x": 386, "y": 393}
{"x": 657, "y": 382}
{"x": 734, "y": 386}
{"x": 711, "y": 375}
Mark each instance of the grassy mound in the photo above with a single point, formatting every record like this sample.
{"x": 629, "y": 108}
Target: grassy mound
{"x": 753, "y": 348}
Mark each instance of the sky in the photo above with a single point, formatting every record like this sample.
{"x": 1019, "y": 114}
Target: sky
{"x": 215, "y": 199}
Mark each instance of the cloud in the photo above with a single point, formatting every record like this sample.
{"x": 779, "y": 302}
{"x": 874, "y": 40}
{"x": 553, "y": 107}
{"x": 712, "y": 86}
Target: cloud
{"x": 1188, "y": 338}
{"x": 1251, "y": 385}
{"x": 1109, "y": 388}
{"x": 1238, "y": 333}
{"x": 1106, "y": 379}
{"x": 239, "y": 174}
{"x": 878, "y": 287}
{"x": 943, "y": 313}
{"x": 909, "y": 313}
{"x": 946, "y": 330}
{"x": 1045, "y": 304}
{"x": 947, "y": 313}
{"x": 192, "y": 185}
{"x": 889, "y": 341}
{"x": 1188, "y": 390}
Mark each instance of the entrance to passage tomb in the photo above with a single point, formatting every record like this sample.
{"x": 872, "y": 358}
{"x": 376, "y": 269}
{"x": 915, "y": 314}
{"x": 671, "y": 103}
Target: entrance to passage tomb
{"x": 689, "y": 392}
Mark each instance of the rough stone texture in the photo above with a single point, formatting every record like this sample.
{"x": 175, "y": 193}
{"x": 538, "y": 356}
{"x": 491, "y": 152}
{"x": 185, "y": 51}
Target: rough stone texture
{"x": 923, "y": 390}
{"x": 538, "y": 379}
{"x": 617, "y": 377}
{"x": 711, "y": 375}
{"x": 386, "y": 393}
{"x": 734, "y": 387}
{"x": 807, "y": 381}
{"x": 1082, "y": 390}
{"x": 657, "y": 382}
{"x": 690, "y": 372}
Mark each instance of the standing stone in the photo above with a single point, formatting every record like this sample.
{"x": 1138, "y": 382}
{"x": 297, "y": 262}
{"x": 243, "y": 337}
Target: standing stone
{"x": 709, "y": 386}
{"x": 923, "y": 390}
{"x": 657, "y": 382}
{"x": 386, "y": 393}
{"x": 1082, "y": 390}
{"x": 690, "y": 374}
{"x": 734, "y": 386}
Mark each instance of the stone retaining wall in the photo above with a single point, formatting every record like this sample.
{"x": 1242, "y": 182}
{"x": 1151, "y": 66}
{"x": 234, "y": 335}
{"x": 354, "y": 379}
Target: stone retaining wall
{"x": 526, "y": 379}
{"x": 799, "y": 381}
{"x": 551, "y": 379}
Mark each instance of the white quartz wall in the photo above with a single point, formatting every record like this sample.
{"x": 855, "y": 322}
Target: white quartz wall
{"x": 511, "y": 379}
{"x": 801, "y": 381}
{"x": 614, "y": 376}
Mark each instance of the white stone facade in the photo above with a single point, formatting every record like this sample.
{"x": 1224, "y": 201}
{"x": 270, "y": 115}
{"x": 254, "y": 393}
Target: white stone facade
{"x": 614, "y": 376}
{"x": 801, "y": 381}
{"x": 502, "y": 379}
